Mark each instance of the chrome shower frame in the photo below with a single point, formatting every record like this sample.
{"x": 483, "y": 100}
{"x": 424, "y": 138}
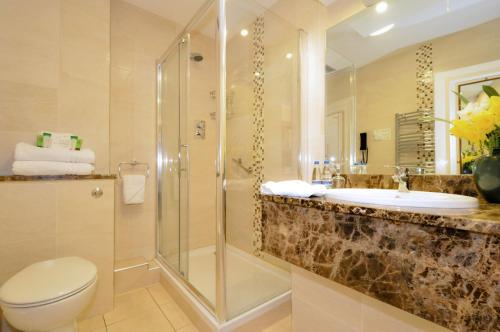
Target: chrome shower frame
{"x": 219, "y": 309}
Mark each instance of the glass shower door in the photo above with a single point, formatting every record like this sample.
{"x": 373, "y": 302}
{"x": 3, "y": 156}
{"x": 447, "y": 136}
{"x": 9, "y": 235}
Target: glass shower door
{"x": 186, "y": 153}
{"x": 173, "y": 160}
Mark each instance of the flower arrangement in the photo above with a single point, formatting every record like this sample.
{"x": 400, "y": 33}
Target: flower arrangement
{"x": 479, "y": 124}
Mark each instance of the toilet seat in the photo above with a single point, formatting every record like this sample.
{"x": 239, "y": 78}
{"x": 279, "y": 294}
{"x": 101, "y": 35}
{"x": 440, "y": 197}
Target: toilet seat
{"x": 48, "y": 282}
{"x": 41, "y": 303}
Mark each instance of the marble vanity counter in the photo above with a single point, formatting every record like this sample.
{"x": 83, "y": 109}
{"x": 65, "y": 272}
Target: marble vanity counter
{"x": 442, "y": 265}
{"x": 485, "y": 219}
{"x": 11, "y": 178}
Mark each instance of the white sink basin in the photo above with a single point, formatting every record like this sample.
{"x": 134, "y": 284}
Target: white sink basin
{"x": 421, "y": 199}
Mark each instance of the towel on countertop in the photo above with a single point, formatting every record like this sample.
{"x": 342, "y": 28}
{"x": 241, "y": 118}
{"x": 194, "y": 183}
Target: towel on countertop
{"x": 293, "y": 188}
{"x": 133, "y": 187}
{"x": 33, "y": 168}
{"x": 28, "y": 152}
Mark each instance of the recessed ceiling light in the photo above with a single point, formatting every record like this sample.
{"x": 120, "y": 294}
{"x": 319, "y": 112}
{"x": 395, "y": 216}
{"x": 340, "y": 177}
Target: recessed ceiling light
{"x": 382, "y": 30}
{"x": 244, "y": 32}
{"x": 289, "y": 56}
{"x": 381, "y": 7}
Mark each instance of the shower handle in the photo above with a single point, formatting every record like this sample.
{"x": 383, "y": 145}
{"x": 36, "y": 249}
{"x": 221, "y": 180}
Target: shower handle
{"x": 184, "y": 168}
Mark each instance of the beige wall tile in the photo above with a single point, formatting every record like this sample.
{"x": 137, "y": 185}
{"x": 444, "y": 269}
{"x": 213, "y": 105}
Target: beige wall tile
{"x": 307, "y": 317}
{"x": 17, "y": 255}
{"x": 138, "y": 39}
{"x": 84, "y": 75}
{"x": 281, "y": 115}
{"x": 85, "y": 39}
{"x": 343, "y": 305}
{"x": 29, "y": 39}
{"x": 29, "y": 79}
{"x": 27, "y": 225}
{"x": 130, "y": 279}
{"x": 85, "y": 229}
{"x": 81, "y": 213}
{"x": 54, "y": 60}
{"x": 27, "y": 107}
{"x": 324, "y": 305}
{"x": 42, "y": 220}
{"x": 379, "y": 316}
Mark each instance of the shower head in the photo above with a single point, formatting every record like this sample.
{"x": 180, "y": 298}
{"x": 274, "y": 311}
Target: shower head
{"x": 197, "y": 57}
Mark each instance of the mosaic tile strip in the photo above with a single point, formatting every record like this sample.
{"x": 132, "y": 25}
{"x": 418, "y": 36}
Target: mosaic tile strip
{"x": 258, "y": 129}
{"x": 415, "y": 136}
{"x": 425, "y": 105}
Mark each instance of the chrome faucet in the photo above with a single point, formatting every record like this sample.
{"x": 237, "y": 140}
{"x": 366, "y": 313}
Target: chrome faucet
{"x": 401, "y": 176}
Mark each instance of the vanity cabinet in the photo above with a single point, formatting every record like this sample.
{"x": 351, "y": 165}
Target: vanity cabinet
{"x": 442, "y": 267}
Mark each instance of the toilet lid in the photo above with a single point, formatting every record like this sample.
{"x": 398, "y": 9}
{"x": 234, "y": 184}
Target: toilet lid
{"x": 48, "y": 280}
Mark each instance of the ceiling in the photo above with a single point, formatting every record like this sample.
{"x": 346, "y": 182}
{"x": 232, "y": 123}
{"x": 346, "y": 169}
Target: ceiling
{"x": 182, "y": 11}
{"x": 178, "y": 11}
{"x": 327, "y": 2}
{"x": 414, "y": 22}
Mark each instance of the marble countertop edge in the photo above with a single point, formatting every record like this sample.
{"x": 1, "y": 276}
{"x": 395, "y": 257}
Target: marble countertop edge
{"x": 485, "y": 219}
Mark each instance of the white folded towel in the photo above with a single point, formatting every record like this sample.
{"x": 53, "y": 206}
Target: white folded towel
{"x": 28, "y": 152}
{"x": 133, "y": 188}
{"x": 32, "y": 168}
{"x": 293, "y": 188}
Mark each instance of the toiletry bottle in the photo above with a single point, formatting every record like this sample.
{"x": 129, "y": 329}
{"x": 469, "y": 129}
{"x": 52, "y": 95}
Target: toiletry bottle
{"x": 326, "y": 174}
{"x": 338, "y": 180}
{"x": 39, "y": 140}
{"x": 47, "y": 139}
{"x": 74, "y": 141}
{"x": 78, "y": 145}
{"x": 316, "y": 175}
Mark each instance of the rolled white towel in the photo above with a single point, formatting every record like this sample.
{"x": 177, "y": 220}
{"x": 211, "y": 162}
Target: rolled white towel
{"x": 28, "y": 152}
{"x": 293, "y": 188}
{"x": 133, "y": 188}
{"x": 33, "y": 168}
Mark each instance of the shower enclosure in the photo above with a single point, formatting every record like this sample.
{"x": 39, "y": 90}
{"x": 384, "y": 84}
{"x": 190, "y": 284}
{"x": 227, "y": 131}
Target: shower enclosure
{"x": 228, "y": 118}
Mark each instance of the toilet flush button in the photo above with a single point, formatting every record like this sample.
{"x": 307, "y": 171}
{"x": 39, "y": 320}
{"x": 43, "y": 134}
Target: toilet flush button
{"x": 97, "y": 192}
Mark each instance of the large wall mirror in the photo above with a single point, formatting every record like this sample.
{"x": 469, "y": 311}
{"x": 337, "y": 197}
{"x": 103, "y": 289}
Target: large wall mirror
{"x": 395, "y": 67}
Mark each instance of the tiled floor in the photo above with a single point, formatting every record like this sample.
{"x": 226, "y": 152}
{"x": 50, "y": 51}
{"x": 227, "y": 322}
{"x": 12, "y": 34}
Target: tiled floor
{"x": 146, "y": 309}
{"x": 283, "y": 325}
{"x": 151, "y": 309}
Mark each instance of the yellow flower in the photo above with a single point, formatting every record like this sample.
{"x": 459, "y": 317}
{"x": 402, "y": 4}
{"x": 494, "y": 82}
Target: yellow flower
{"x": 464, "y": 129}
{"x": 495, "y": 109}
{"x": 469, "y": 158}
{"x": 476, "y": 126}
{"x": 483, "y": 122}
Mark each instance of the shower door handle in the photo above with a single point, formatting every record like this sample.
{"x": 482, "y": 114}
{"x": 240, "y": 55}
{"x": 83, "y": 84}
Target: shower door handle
{"x": 184, "y": 166}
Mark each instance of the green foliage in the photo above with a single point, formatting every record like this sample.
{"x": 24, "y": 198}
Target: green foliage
{"x": 490, "y": 91}
{"x": 464, "y": 100}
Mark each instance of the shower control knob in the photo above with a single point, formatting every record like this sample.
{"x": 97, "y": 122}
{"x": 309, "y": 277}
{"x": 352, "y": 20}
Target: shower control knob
{"x": 97, "y": 192}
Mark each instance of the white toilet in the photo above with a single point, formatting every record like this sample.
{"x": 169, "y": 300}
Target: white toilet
{"x": 49, "y": 295}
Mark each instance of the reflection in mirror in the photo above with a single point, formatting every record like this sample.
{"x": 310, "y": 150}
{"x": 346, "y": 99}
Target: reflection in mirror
{"x": 472, "y": 92}
{"x": 392, "y": 70}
